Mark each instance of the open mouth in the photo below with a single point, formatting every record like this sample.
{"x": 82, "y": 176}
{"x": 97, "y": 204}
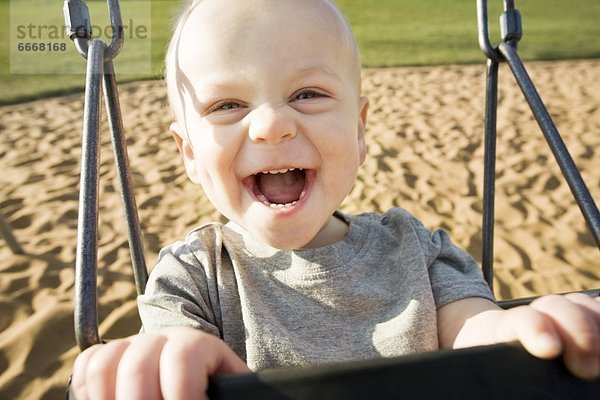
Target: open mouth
{"x": 279, "y": 188}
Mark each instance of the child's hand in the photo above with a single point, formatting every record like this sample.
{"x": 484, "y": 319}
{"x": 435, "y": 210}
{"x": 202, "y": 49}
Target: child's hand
{"x": 549, "y": 326}
{"x": 173, "y": 364}
{"x": 553, "y": 324}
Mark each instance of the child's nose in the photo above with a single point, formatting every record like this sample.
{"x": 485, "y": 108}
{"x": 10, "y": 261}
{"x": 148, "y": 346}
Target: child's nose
{"x": 271, "y": 125}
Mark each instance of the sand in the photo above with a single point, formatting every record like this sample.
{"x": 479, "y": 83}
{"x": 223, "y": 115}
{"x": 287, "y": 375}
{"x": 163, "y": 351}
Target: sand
{"x": 425, "y": 136}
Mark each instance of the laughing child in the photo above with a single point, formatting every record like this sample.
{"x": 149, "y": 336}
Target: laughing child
{"x": 270, "y": 122}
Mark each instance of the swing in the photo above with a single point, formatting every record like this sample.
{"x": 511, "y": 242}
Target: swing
{"x": 503, "y": 371}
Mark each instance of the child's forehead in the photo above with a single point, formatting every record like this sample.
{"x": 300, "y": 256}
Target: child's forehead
{"x": 214, "y": 18}
{"x": 276, "y": 29}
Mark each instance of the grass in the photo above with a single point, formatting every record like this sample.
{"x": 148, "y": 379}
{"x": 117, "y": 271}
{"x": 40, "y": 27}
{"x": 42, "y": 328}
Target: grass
{"x": 426, "y": 32}
{"x": 390, "y": 33}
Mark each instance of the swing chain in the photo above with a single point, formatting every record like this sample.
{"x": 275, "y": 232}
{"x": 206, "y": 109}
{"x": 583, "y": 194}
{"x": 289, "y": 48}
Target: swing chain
{"x": 511, "y": 28}
{"x": 100, "y": 78}
{"x": 79, "y": 27}
{"x": 77, "y": 19}
{"x": 511, "y": 32}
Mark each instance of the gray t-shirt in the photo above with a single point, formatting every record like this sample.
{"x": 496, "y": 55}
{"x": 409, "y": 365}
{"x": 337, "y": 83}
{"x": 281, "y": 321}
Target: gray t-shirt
{"x": 373, "y": 294}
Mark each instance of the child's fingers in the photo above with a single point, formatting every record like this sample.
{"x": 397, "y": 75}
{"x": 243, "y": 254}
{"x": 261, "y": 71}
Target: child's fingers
{"x": 591, "y": 304}
{"x": 576, "y": 321}
{"x": 189, "y": 357}
{"x": 101, "y": 369}
{"x": 533, "y": 330}
{"x": 79, "y": 371}
{"x": 183, "y": 365}
{"x": 138, "y": 371}
{"x": 131, "y": 368}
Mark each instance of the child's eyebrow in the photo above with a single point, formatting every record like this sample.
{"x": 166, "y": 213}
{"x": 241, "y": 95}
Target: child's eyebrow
{"x": 224, "y": 83}
{"x": 221, "y": 85}
{"x": 315, "y": 71}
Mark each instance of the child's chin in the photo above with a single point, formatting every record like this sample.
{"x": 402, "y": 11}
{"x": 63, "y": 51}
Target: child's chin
{"x": 284, "y": 241}
{"x": 286, "y": 245}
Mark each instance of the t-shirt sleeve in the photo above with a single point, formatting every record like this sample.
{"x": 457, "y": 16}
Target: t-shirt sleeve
{"x": 178, "y": 293}
{"x": 453, "y": 273}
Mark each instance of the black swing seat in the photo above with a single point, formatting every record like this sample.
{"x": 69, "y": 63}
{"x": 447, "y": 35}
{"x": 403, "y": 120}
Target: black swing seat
{"x": 502, "y": 372}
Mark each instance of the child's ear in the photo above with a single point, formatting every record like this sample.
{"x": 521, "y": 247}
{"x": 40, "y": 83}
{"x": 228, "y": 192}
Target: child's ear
{"x": 186, "y": 151}
{"x": 363, "y": 108}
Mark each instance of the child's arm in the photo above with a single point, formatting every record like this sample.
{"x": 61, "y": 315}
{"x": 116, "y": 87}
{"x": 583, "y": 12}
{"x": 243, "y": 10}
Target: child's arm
{"x": 548, "y": 327}
{"x": 174, "y": 364}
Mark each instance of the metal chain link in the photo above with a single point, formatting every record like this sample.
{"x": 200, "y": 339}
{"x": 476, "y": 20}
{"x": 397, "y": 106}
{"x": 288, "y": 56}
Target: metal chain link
{"x": 100, "y": 78}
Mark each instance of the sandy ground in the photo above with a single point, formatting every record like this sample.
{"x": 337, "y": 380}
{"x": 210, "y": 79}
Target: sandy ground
{"x": 425, "y": 139}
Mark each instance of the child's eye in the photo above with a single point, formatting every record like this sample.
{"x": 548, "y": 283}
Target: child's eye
{"x": 311, "y": 101}
{"x": 226, "y": 106}
{"x": 225, "y": 111}
{"x": 307, "y": 95}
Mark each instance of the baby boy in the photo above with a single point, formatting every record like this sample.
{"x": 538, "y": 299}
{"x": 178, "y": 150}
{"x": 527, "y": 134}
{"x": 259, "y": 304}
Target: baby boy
{"x": 270, "y": 122}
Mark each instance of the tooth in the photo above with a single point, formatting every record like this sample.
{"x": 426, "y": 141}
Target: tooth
{"x": 281, "y": 171}
{"x": 278, "y": 205}
{"x": 261, "y": 197}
